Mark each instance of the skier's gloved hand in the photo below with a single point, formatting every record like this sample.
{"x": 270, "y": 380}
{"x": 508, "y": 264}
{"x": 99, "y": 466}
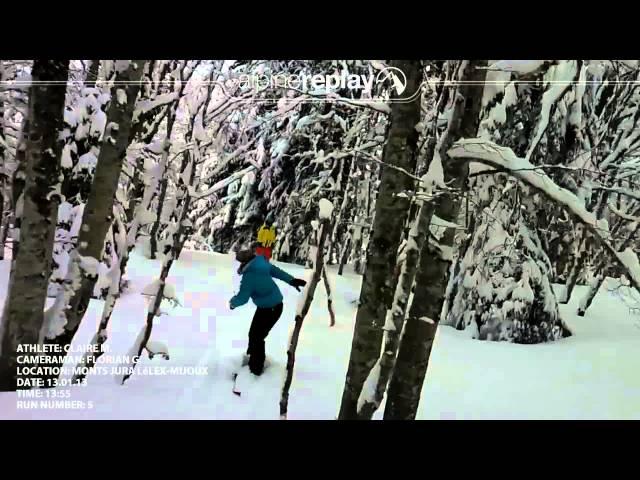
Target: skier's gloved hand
{"x": 297, "y": 283}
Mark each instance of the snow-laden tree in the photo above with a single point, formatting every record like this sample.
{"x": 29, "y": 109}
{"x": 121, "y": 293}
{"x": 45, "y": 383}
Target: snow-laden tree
{"x": 181, "y": 72}
{"x": 504, "y": 159}
{"x": 300, "y": 149}
{"x": 85, "y": 121}
{"x": 609, "y": 176}
{"x": 23, "y": 317}
{"x": 501, "y": 286}
{"x": 178, "y": 228}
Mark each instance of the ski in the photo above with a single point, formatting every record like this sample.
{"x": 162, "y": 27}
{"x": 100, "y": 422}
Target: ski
{"x": 235, "y": 385}
{"x": 238, "y": 382}
{"x": 244, "y": 375}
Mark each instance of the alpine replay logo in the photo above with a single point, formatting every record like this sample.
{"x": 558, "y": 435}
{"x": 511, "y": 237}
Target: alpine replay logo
{"x": 324, "y": 84}
{"x": 396, "y": 76}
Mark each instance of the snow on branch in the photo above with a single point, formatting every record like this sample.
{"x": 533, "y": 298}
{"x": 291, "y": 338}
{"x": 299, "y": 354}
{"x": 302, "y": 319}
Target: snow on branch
{"x": 226, "y": 160}
{"x": 222, "y": 183}
{"x": 488, "y": 153}
{"x": 622, "y": 191}
{"x": 623, "y": 147}
{"x": 145, "y": 106}
{"x": 622, "y": 214}
{"x": 521, "y": 67}
{"x": 559, "y": 81}
{"x": 384, "y": 164}
{"x": 378, "y": 106}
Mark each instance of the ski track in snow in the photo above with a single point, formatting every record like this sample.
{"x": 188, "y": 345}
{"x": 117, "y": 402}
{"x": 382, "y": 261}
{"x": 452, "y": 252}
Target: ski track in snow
{"x": 591, "y": 375}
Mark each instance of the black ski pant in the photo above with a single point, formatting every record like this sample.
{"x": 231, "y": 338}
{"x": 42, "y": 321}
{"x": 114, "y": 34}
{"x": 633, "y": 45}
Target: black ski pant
{"x": 263, "y": 321}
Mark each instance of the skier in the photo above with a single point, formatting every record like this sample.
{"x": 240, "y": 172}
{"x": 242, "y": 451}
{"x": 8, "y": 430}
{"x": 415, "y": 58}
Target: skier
{"x": 257, "y": 283}
{"x": 266, "y": 238}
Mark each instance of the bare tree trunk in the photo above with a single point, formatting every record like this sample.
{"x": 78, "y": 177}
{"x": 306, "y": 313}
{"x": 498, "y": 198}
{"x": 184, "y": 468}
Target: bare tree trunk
{"x": 390, "y": 215}
{"x": 188, "y": 161}
{"x": 3, "y": 139}
{"x": 578, "y": 264}
{"x": 343, "y": 205}
{"x": 90, "y": 358}
{"x": 344, "y": 255}
{"x": 97, "y": 217}
{"x": 585, "y": 303}
{"x": 24, "y": 305}
{"x": 92, "y": 74}
{"x": 591, "y": 294}
{"x": 3, "y": 173}
{"x": 379, "y": 376}
{"x": 357, "y": 251}
{"x": 179, "y": 238}
{"x": 303, "y": 308}
{"x": 17, "y": 188}
{"x": 327, "y": 287}
{"x": 5, "y": 232}
{"x": 432, "y": 276}
{"x": 3, "y": 223}
{"x": 153, "y": 239}
{"x": 171, "y": 117}
{"x": 135, "y": 195}
{"x": 576, "y": 269}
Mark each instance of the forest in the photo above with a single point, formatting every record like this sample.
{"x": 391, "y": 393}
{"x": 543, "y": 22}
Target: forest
{"x": 493, "y": 200}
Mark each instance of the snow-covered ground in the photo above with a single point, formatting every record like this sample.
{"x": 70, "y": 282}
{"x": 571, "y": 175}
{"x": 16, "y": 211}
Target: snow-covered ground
{"x": 591, "y": 375}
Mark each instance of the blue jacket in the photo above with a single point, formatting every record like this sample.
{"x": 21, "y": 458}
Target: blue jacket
{"x": 257, "y": 283}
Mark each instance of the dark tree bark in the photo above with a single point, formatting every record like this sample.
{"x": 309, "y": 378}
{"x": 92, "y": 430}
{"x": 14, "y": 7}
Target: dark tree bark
{"x": 92, "y": 74}
{"x": 391, "y": 211}
{"x": 153, "y": 238}
{"x": 591, "y": 294}
{"x": 171, "y": 117}
{"x": 24, "y": 306}
{"x": 344, "y": 256}
{"x": 370, "y": 401}
{"x": 433, "y": 270}
{"x": 600, "y": 269}
{"x": 17, "y": 185}
{"x": 135, "y": 195}
{"x": 3, "y": 175}
{"x": 576, "y": 270}
{"x": 98, "y": 212}
{"x": 578, "y": 263}
{"x": 3, "y": 224}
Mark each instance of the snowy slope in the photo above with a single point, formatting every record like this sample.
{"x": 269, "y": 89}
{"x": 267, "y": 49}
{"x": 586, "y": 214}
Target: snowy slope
{"x": 590, "y": 375}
